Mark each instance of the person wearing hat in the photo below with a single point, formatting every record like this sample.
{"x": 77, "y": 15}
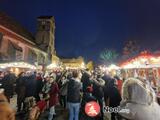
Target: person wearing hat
{"x": 39, "y": 108}
{"x": 53, "y": 93}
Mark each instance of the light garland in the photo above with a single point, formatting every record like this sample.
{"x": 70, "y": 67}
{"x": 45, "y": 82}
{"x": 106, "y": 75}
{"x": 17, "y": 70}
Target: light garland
{"x": 113, "y": 67}
{"x": 55, "y": 65}
{"x": 83, "y": 65}
{"x": 17, "y": 65}
{"x": 52, "y": 66}
{"x": 152, "y": 62}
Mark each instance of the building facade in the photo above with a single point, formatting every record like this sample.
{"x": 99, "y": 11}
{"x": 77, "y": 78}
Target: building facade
{"x": 73, "y": 63}
{"x": 18, "y": 44}
{"x": 45, "y": 36}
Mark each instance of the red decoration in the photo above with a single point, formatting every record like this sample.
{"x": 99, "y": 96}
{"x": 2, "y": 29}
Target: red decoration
{"x": 144, "y": 54}
{"x": 92, "y": 109}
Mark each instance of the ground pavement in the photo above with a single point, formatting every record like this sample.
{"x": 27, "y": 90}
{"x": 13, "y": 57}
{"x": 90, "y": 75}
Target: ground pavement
{"x": 61, "y": 113}
{"x": 44, "y": 116}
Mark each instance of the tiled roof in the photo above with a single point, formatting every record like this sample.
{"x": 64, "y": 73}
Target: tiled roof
{"x": 14, "y": 26}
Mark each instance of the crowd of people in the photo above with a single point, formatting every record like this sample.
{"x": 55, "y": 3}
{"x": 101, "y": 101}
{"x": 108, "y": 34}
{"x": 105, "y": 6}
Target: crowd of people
{"x": 73, "y": 89}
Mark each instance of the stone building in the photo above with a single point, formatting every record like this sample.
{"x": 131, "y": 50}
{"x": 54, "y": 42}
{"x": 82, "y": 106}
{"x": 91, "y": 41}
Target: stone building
{"x": 73, "y": 63}
{"x": 45, "y": 36}
{"x": 18, "y": 44}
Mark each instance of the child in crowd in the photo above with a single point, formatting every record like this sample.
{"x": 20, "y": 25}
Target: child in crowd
{"x": 38, "y": 108}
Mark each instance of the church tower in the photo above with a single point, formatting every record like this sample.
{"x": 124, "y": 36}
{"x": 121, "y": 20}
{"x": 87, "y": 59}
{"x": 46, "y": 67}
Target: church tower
{"x": 45, "y": 36}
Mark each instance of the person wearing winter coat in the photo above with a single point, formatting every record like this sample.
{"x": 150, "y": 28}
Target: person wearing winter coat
{"x": 53, "y": 100}
{"x": 74, "y": 96}
{"x": 8, "y": 84}
{"x": 112, "y": 96}
{"x": 63, "y": 91}
{"x": 98, "y": 93}
{"x": 86, "y": 81}
{"x": 30, "y": 84}
{"x": 139, "y": 100}
{"x": 119, "y": 83}
{"x": 20, "y": 90}
{"x": 39, "y": 86}
{"x": 30, "y": 90}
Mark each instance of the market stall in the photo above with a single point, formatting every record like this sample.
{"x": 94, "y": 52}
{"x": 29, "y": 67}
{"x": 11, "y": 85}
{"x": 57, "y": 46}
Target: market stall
{"x": 145, "y": 65}
{"x": 56, "y": 67}
{"x": 111, "y": 70}
{"x": 17, "y": 67}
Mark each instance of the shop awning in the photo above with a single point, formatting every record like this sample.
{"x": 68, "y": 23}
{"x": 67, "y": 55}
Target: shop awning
{"x": 143, "y": 60}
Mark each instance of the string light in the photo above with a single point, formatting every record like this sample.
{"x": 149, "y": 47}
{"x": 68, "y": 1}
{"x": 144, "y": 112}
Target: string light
{"x": 17, "y": 65}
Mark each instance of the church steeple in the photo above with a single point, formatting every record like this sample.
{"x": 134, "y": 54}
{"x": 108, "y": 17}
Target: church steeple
{"x": 45, "y": 36}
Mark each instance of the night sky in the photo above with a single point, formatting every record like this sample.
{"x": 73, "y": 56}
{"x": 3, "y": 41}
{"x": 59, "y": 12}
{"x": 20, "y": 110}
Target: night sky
{"x": 86, "y": 27}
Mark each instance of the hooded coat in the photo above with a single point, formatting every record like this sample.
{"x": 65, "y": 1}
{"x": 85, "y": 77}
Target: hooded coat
{"x": 138, "y": 99}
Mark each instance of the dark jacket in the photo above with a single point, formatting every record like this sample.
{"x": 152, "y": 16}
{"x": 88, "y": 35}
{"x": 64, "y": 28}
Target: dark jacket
{"x": 31, "y": 86}
{"x": 39, "y": 84}
{"x": 21, "y": 88}
{"x": 86, "y": 81}
{"x": 111, "y": 92}
{"x": 98, "y": 90}
{"x": 7, "y": 84}
{"x": 20, "y": 84}
{"x": 73, "y": 93}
